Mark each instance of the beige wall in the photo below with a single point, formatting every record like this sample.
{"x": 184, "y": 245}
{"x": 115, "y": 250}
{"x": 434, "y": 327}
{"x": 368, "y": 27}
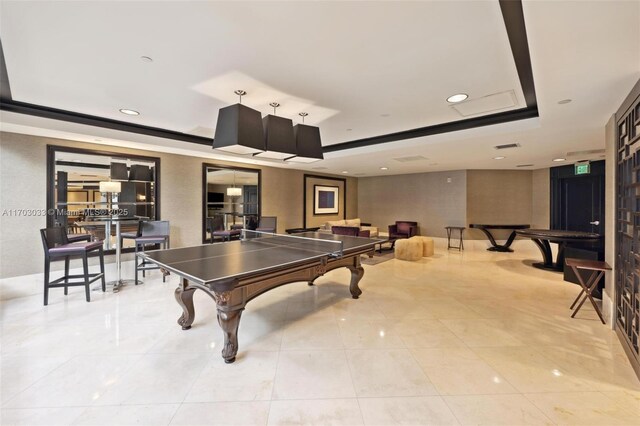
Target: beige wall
{"x": 541, "y": 199}
{"x": 23, "y": 186}
{"x": 498, "y": 197}
{"x": 426, "y": 198}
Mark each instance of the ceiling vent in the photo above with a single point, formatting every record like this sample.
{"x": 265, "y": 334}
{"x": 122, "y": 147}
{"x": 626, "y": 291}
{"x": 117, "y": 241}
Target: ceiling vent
{"x": 359, "y": 174}
{"x": 486, "y": 104}
{"x": 524, "y": 165}
{"x": 582, "y": 153}
{"x": 319, "y": 168}
{"x": 411, "y": 158}
{"x": 507, "y": 146}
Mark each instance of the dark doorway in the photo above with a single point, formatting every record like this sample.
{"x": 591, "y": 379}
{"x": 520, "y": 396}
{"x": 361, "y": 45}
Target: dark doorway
{"x": 582, "y": 204}
{"x": 577, "y": 201}
{"x": 577, "y": 204}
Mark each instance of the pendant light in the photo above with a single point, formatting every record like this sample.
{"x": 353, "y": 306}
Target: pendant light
{"x": 308, "y": 143}
{"x": 239, "y": 129}
{"x": 233, "y": 191}
{"x": 279, "y": 142}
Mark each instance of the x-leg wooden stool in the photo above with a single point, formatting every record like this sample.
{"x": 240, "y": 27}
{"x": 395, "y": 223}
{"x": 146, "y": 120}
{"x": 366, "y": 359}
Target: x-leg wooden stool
{"x": 597, "y": 269}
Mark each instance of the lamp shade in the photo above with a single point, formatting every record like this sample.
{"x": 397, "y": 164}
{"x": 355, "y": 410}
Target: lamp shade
{"x": 119, "y": 171}
{"x": 140, "y": 173}
{"x": 234, "y": 192}
{"x": 308, "y": 144}
{"x": 279, "y": 142}
{"x": 108, "y": 186}
{"x": 239, "y": 130}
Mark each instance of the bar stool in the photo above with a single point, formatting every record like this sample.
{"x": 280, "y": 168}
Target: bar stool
{"x": 215, "y": 227}
{"x": 150, "y": 232}
{"x": 56, "y": 246}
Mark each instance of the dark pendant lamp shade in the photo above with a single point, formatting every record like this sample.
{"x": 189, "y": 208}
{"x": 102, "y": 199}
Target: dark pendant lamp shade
{"x": 140, "y": 173}
{"x": 239, "y": 130}
{"x": 279, "y": 142}
{"x": 119, "y": 172}
{"x": 308, "y": 144}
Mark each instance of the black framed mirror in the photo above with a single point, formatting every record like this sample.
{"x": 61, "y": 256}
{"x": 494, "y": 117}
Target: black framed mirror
{"x": 84, "y": 185}
{"x": 231, "y": 198}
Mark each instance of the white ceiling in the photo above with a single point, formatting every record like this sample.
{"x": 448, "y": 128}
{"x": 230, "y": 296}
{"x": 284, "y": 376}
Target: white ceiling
{"x": 348, "y": 64}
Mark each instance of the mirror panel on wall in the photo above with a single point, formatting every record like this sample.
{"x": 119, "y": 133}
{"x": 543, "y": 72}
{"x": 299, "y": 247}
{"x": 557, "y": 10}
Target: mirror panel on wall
{"x": 87, "y": 190}
{"x": 231, "y": 198}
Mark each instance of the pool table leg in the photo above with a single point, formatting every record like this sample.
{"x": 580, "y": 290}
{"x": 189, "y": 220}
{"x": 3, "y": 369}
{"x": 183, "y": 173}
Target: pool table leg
{"x": 184, "y": 297}
{"x": 229, "y": 322}
{"x": 357, "y": 271}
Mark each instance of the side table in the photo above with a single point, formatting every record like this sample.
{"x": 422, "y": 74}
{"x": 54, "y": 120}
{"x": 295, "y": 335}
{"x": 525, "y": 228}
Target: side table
{"x": 597, "y": 269}
{"x": 461, "y": 229}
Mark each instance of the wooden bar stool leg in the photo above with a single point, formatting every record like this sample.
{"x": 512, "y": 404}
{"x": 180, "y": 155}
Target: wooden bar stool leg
{"x": 47, "y": 264}
{"x": 85, "y": 265}
{"x": 104, "y": 281}
{"x": 135, "y": 263}
{"x": 66, "y": 275}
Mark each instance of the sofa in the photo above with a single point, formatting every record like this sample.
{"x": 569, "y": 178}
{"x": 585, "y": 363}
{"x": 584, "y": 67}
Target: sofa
{"x": 352, "y": 231}
{"x": 326, "y": 227}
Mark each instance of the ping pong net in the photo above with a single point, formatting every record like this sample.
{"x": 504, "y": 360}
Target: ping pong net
{"x": 332, "y": 248}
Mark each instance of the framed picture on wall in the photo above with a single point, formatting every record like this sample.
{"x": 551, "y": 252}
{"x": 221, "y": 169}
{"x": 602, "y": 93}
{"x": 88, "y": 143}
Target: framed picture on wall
{"x": 325, "y": 199}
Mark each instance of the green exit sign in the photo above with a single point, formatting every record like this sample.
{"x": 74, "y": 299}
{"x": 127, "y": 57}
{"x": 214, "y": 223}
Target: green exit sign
{"x": 582, "y": 169}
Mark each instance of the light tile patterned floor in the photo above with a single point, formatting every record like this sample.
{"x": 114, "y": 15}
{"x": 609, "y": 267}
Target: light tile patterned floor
{"x": 459, "y": 338}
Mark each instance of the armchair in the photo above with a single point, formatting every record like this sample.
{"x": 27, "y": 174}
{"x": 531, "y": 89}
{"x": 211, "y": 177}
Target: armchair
{"x": 403, "y": 229}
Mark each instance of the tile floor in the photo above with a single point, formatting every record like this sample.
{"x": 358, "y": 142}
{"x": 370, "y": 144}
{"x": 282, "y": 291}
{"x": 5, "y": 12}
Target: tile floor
{"x": 460, "y": 338}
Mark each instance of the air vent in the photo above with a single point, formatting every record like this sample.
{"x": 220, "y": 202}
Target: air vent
{"x": 507, "y": 146}
{"x": 486, "y": 104}
{"x": 581, "y": 153}
{"x": 524, "y": 165}
{"x": 409, "y": 159}
{"x": 319, "y": 168}
{"x": 359, "y": 174}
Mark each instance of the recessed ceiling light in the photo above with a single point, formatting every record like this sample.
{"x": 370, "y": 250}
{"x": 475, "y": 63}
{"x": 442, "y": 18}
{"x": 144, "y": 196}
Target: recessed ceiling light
{"x": 564, "y": 101}
{"x": 384, "y": 168}
{"x": 557, "y": 160}
{"x": 459, "y": 97}
{"x": 345, "y": 172}
{"x": 129, "y": 111}
{"x": 499, "y": 158}
{"x": 146, "y": 59}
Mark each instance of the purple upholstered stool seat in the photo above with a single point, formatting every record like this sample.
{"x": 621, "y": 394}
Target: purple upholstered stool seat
{"x": 75, "y": 248}
{"x": 151, "y": 239}
{"x": 226, "y": 235}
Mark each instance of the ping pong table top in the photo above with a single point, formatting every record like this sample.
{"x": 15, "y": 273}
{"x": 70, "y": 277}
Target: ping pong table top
{"x": 207, "y": 263}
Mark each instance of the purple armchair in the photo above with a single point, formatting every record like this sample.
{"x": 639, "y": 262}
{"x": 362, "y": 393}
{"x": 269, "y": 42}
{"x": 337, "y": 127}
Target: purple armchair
{"x": 353, "y": 231}
{"x": 403, "y": 229}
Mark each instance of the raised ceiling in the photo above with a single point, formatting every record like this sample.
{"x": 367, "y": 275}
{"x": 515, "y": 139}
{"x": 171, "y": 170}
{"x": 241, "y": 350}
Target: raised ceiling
{"x": 360, "y": 69}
